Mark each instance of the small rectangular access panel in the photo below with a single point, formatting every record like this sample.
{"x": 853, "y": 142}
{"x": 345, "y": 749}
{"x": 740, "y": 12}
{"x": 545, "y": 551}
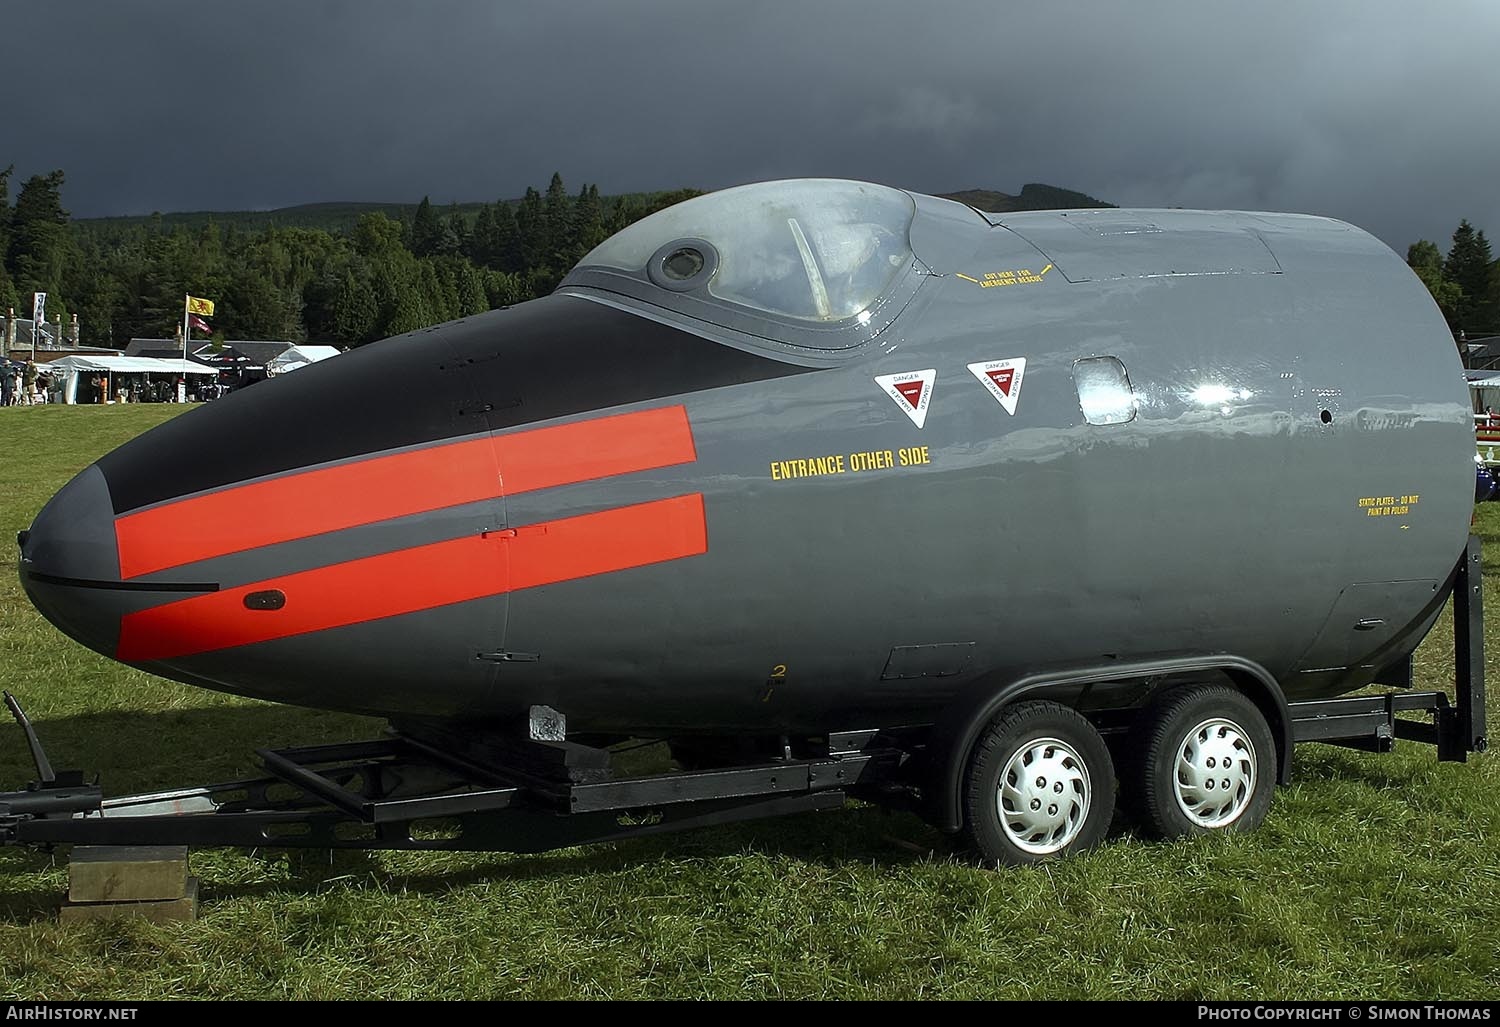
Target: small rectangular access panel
{"x": 1089, "y": 246}
{"x": 942, "y": 660}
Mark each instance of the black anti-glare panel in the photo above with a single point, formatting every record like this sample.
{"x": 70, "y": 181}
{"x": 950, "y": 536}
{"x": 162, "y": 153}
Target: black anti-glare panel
{"x": 548, "y": 358}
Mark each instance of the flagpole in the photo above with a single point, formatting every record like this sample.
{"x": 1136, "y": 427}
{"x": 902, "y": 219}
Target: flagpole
{"x": 185, "y": 299}
{"x": 182, "y": 372}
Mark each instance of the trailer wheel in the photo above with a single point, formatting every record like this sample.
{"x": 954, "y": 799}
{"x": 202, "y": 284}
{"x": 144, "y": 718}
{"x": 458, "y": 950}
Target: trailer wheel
{"x": 1205, "y": 762}
{"x": 1040, "y": 784}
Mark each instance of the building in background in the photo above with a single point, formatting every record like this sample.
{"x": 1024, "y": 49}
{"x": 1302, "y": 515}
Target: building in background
{"x": 49, "y": 341}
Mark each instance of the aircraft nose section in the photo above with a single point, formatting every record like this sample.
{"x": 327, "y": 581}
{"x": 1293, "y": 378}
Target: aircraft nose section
{"x": 68, "y": 562}
{"x": 74, "y": 535}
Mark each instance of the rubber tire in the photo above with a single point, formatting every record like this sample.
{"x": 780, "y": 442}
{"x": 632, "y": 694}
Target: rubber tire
{"x": 1012, "y": 730}
{"x": 1159, "y": 733}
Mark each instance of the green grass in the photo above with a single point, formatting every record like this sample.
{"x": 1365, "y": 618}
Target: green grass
{"x": 1373, "y": 877}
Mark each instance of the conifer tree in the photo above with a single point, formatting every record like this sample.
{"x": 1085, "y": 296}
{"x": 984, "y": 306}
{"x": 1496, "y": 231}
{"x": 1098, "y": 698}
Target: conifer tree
{"x": 409, "y": 312}
{"x": 501, "y": 289}
{"x": 8, "y": 297}
{"x": 1469, "y": 258}
{"x": 588, "y": 223}
{"x": 471, "y": 297}
{"x": 355, "y": 310}
{"x": 494, "y": 243}
{"x": 531, "y": 229}
{"x": 453, "y": 235}
{"x": 5, "y": 218}
{"x": 505, "y": 244}
{"x": 39, "y": 239}
{"x": 425, "y": 230}
{"x": 439, "y": 292}
{"x": 481, "y": 239}
{"x": 1468, "y": 267}
{"x": 557, "y": 213}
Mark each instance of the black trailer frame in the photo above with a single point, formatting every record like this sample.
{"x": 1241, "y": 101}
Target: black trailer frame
{"x": 405, "y": 792}
{"x": 425, "y": 787}
{"x": 1458, "y": 727}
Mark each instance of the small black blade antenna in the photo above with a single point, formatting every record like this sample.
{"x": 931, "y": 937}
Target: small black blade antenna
{"x": 39, "y": 757}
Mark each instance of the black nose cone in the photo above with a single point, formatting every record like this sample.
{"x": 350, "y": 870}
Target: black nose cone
{"x": 74, "y": 535}
{"x": 69, "y": 561}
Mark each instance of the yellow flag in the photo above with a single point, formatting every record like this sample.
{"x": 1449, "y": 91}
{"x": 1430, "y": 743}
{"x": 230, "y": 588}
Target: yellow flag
{"x": 197, "y": 306}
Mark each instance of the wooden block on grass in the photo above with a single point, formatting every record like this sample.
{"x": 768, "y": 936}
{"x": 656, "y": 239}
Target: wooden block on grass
{"x": 184, "y": 908}
{"x": 134, "y": 873}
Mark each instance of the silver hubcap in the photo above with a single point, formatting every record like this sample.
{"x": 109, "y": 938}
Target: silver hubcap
{"x": 1215, "y": 774}
{"x": 1044, "y": 796}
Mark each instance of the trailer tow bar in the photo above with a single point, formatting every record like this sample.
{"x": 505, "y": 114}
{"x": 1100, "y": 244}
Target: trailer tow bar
{"x": 52, "y": 794}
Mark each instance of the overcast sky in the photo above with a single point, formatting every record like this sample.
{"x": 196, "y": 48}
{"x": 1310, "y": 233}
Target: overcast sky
{"x": 1380, "y": 112}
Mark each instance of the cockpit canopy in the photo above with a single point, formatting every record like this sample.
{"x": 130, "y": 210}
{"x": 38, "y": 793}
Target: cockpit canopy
{"x": 809, "y": 262}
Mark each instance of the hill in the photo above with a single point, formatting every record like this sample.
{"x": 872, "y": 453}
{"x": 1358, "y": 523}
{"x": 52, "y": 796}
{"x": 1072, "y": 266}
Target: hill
{"x": 335, "y": 217}
{"x": 329, "y": 217}
{"x": 339, "y": 217}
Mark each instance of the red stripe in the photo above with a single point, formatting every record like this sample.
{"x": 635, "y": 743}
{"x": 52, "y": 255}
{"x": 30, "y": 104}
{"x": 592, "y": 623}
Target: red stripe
{"x": 421, "y": 579}
{"x": 380, "y": 488}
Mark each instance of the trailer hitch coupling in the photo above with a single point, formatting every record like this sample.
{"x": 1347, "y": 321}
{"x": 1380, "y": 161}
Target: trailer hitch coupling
{"x": 52, "y": 793}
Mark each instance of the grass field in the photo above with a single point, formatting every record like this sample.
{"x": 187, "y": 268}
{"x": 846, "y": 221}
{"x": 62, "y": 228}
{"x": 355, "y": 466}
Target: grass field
{"x": 1373, "y": 877}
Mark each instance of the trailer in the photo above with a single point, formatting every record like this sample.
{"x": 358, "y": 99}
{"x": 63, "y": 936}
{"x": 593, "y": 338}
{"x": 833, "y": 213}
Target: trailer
{"x": 432, "y": 787}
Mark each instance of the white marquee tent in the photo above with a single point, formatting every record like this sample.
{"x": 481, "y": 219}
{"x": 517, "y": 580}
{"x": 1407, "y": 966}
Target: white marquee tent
{"x": 300, "y": 356}
{"x": 67, "y": 369}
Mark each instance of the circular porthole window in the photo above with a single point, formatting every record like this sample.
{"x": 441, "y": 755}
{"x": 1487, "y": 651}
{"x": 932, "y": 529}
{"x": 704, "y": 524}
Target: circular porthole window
{"x": 683, "y": 264}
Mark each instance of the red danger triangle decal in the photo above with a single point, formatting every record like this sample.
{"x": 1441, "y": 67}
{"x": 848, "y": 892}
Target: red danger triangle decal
{"x": 911, "y": 391}
{"x": 1001, "y": 379}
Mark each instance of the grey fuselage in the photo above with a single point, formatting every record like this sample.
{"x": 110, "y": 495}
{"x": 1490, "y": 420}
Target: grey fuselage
{"x": 1293, "y": 487}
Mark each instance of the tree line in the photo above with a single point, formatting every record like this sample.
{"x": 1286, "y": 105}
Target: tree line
{"x": 385, "y": 276}
{"x": 1465, "y": 283}
{"x": 381, "y": 278}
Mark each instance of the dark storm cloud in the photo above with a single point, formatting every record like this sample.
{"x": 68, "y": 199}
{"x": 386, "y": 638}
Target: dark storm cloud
{"x": 1376, "y": 112}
